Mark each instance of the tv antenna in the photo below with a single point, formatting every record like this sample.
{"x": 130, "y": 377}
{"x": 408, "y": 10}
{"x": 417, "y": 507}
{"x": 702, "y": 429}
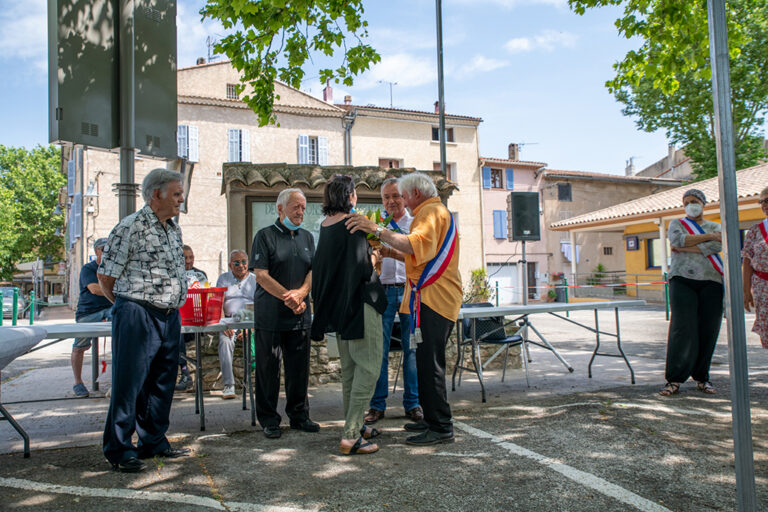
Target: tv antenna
{"x": 209, "y": 42}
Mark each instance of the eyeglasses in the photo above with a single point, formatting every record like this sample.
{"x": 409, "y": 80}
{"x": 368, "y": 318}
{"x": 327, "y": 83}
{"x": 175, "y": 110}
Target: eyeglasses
{"x": 238, "y": 263}
{"x": 763, "y": 201}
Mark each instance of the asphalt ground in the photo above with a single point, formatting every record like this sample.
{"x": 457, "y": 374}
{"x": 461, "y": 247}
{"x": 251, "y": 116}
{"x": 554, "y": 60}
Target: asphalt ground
{"x": 566, "y": 443}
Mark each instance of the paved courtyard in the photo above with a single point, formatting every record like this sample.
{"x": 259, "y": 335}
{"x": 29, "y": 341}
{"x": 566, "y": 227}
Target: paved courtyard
{"x": 566, "y": 443}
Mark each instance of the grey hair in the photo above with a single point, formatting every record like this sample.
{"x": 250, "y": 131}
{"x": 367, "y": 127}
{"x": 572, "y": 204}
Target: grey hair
{"x": 158, "y": 179}
{"x": 236, "y": 251}
{"x": 388, "y": 181}
{"x": 417, "y": 181}
{"x": 285, "y": 195}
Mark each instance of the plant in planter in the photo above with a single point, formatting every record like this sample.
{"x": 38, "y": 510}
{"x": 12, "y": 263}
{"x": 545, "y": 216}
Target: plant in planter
{"x": 551, "y": 295}
{"x": 479, "y": 288}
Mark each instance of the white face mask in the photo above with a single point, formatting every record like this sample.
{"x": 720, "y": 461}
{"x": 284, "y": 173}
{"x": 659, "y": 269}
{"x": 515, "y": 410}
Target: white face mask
{"x": 693, "y": 210}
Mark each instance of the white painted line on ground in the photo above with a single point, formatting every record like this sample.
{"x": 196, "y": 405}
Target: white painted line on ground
{"x": 651, "y": 406}
{"x": 132, "y": 494}
{"x": 472, "y": 455}
{"x": 580, "y": 477}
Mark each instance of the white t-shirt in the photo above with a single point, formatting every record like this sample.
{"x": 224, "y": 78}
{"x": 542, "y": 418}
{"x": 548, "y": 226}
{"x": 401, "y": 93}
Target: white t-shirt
{"x": 392, "y": 270}
{"x": 239, "y": 293}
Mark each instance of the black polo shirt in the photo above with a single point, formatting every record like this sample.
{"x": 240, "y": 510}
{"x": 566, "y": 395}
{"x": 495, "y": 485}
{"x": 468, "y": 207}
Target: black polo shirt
{"x": 287, "y": 256}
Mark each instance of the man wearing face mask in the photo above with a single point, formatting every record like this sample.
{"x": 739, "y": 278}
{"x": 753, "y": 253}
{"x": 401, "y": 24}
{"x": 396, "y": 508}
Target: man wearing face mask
{"x": 281, "y": 258}
{"x": 695, "y": 296}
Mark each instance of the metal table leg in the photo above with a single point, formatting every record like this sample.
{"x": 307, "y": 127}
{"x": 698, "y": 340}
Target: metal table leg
{"x": 597, "y": 346}
{"x": 95, "y": 364}
{"x": 476, "y": 358}
{"x": 621, "y": 351}
{"x": 5, "y": 415}
{"x": 199, "y": 406}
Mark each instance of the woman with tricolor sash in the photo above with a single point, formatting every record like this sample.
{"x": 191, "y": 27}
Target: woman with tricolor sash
{"x": 755, "y": 271}
{"x": 695, "y": 296}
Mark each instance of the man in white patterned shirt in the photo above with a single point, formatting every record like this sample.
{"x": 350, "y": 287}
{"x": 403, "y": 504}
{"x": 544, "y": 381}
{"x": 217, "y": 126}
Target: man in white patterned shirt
{"x": 142, "y": 273}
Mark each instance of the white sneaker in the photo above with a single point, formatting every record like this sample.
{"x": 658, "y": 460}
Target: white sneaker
{"x": 228, "y": 392}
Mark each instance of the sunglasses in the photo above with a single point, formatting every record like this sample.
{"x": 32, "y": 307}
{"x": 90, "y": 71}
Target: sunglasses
{"x": 238, "y": 263}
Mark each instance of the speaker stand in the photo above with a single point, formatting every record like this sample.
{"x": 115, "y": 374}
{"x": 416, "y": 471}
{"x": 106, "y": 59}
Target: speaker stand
{"x": 525, "y": 323}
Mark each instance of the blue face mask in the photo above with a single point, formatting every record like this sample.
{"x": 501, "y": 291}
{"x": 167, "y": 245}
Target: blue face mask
{"x": 290, "y": 225}
{"x": 352, "y": 210}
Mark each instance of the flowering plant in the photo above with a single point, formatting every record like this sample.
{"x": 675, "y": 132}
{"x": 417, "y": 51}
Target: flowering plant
{"x": 380, "y": 220}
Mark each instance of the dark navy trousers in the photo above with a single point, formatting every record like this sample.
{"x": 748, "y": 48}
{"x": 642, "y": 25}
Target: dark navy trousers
{"x": 145, "y": 353}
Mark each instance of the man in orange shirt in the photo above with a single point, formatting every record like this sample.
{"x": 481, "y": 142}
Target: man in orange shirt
{"x": 432, "y": 296}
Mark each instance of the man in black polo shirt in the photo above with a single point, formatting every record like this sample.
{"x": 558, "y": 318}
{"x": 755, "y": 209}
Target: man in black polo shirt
{"x": 281, "y": 258}
{"x": 92, "y": 306}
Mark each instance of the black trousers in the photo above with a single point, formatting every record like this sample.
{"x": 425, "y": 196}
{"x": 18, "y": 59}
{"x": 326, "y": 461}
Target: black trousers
{"x": 430, "y": 369}
{"x": 697, "y": 312}
{"x": 145, "y": 351}
{"x": 293, "y": 348}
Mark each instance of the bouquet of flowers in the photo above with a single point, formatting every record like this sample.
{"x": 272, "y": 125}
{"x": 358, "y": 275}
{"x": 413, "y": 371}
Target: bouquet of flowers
{"x": 377, "y": 217}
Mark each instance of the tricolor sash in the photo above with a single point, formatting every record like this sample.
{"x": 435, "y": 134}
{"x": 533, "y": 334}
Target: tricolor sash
{"x": 432, "y": 272}
{"x": 693, "y": 228}
{"x": 764, "y": 230}
{"x": 392, "y": 223}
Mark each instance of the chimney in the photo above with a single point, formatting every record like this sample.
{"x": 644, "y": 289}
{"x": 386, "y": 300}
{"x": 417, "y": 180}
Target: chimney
{"x": 437, "y": 107}
{"x": 200, "y": 60}
{"x": 671, "y": 156}
{"x": 514, "y": 151}
{"x": 629, "y": 170}
{"x": 347, "y": 99}
{"x": 328, "y": 93}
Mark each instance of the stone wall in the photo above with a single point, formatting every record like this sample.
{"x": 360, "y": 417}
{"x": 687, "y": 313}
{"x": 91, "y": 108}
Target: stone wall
{"x": 324, "y": 369}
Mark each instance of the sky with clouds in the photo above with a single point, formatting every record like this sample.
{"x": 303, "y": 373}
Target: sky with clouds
{"x": 531, "y": 69}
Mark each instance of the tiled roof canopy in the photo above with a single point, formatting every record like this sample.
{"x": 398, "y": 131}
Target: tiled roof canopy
{"x": 750, "y": 182}
{"x": 314, "y": 177}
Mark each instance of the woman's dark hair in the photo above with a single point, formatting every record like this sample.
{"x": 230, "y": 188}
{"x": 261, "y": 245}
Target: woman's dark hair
{"x": 336, "y": 194}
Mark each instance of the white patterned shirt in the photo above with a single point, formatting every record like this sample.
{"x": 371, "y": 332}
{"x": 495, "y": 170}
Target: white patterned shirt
{"x": 146, "y": 260}
{"x": 393, "y": 270}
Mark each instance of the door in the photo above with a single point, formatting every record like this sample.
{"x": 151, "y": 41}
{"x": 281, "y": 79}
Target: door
{"x": 532, "y": 291}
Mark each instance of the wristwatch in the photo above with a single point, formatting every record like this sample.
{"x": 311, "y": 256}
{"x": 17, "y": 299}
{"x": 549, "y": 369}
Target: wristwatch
{"x": 379, "y": 230}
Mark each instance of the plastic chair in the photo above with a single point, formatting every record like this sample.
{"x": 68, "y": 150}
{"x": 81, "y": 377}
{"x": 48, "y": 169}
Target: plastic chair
{"x": 490, "y": 331}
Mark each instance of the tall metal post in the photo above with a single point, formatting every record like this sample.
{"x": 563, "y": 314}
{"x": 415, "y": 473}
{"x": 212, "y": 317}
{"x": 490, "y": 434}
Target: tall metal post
{"x": 126, "y": 189}
{"x": 729, "y": 210}
{"x": 440, "y": 95}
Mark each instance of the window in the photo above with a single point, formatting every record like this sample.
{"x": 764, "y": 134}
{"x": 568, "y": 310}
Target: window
{"x": 186, "y": 140}
{"x": 654, "y": 253}
{"x": 607, "y": 251}
{"x": 387, "y": 163}
{"x": 456, "y": 221}
{"x": 239, "y": 145}
{"x": 496, "y": 179}
{"x": 564, "y": 192}
{"x": 448, "y": 134}
{"x": 451, "y": 174}
{"x": 231, "y": 91}
{"x": 500, "y": 224}
{"x": 313, "y": 150}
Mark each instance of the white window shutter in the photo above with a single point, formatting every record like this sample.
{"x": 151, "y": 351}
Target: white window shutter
{"x": 234, "y": 145}
{"x": 182, "y": 149}
{"x": 77, "y": 214}
{"x": 453, "y": 173}
{"x": 303, "y": 149}
{"x": 194, "y": 155}
{"x": 322, "y": 150}
{"x": 245, "y": 149}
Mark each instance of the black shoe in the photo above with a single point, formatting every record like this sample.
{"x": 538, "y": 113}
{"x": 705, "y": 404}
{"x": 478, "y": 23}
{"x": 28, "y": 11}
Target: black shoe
{"x": 132, "y": 465}
{"x": 169, "y": 453}
{"x": 430, "y": 437}
{"x": 416, "y": 427}
{"x": 306, "y": 425}
{"x": 185, "y": 383}
{"x": 272, "y": 431}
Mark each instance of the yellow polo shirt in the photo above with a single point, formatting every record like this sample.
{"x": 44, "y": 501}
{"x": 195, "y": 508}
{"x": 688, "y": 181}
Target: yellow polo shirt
{"x": 431, "y": 221}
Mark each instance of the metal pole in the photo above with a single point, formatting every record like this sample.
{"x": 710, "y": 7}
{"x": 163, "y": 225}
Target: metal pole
{"x": 126, "y": 189}
{"x": 666, "y": 294}
{"x": 525, "y": 277}
{"x": 497, "y": 294}
{"x": 729, "y": 209}
{"x": 15, "y": 305}
{"x": 2, "y": 304}
{"x": 565, "y": 281}
{"x": 32, "y": 308}
{"x": 440, "y": 95}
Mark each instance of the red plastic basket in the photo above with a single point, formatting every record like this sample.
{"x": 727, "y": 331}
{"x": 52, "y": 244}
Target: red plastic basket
{"x": 203, "y": 306}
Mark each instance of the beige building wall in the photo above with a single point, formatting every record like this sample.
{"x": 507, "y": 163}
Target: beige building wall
{"x": 408, "y": 138}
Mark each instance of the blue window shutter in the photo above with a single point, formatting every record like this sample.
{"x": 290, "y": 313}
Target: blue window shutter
{"x": 510, "y": 179}
{"x": 499, "y": 219}
{"x": 486, "y": 177}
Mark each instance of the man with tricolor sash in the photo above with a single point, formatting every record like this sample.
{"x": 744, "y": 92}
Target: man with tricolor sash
{"x": 432, "y": 296}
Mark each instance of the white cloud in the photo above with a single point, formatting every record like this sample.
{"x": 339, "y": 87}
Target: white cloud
{"x": 480, "y": 64}
{"x": 24, "y": 33}
{"x": 547, "y": 40}
{"x": 405, "y": 69}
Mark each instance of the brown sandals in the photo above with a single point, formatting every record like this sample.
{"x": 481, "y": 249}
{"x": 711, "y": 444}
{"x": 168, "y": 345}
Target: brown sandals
{"x": 368, "y": 432}
{"x": 670, "y": 389}
{"x": 361, "y": 447}
{"x": 706, "y": 387}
